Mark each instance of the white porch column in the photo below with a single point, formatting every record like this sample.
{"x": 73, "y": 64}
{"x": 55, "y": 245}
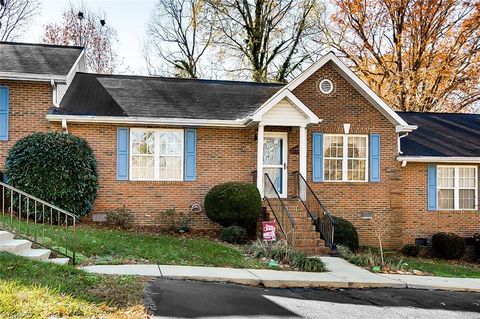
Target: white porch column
{"x": 260, "y": 158}
{"x": 303, "y": 159}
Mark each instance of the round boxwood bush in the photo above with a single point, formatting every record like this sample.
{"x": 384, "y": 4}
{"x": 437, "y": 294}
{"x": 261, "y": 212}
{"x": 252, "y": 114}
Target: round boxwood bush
{"x": 448, "y": 245}
{"x": 58, "y": 168}
{"x": 476, "y": 244}
{"x": 410, "y": 250}
{"x": 233, "y": 203}
{"x": 234, "y": 235}
{"x": 345, "y": 233}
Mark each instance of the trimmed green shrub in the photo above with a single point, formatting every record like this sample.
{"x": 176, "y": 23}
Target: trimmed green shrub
{"x": 448, "y": 245}
{"x": 234, "y": 235}
{"x": 345, "y": 233}
{"x": 120, "y": 217}
{"x": 59, "y": 168}
{"x": 476, "y": 244}
{"x": 233, "y": 203}
{"x": 410, "y": 250}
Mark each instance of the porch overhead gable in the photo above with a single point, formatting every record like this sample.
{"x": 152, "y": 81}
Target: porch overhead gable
{"x": 284, "y": 109}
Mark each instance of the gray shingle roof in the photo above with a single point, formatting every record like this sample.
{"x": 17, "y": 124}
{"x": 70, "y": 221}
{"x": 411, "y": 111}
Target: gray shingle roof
{"x": 140, "y": 96}
{"x": 442, "y": 134}
{"x": 37, "y": 58}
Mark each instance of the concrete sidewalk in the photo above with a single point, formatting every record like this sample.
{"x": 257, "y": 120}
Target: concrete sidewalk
{"x": 341, "y": 274}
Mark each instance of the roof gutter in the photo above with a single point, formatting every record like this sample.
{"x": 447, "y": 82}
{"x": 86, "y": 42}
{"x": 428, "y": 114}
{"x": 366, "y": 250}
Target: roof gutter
{"x": 33, "y": 77}
{"x": 145, "y": 120}
{"x": 438, "y": 159}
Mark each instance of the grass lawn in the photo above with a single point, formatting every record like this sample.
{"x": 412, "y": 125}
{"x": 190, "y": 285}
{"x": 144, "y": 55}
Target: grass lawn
{"x": 103, "y": 245}
{"x": 97, "y": 245}
{"x": 442, "y": 268}
{"x": 30, "y": 289}
{"x": 369, "y": 257}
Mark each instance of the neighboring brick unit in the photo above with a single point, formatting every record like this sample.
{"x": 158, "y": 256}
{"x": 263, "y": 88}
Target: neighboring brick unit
{"x": 29, "y": 103}
{"x": 418, "y": 222}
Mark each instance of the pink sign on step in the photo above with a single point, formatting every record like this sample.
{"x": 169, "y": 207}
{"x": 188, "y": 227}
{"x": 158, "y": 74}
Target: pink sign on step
{"x": 269, "y": 233}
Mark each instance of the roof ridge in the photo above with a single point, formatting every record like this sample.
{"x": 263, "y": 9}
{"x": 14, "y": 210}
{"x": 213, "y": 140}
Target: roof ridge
{"x": 437, "y": 113}
{"x": 181, "y": 79}
{"x": 43, "y": 45}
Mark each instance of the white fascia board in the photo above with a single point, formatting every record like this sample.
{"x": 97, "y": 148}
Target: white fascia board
{"x": 353, "y": 79}
{"x": 405, "y": 129}
{"x": 145, "y": 120}
{"x": 33, "y": 77}
{"x": 439, "y": 159}
{"x": 73, "y": 70}
{"x": 279, "y": 96}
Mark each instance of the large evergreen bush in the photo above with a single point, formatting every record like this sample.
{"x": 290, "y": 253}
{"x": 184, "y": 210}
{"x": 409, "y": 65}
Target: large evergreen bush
{"x": 58, "y": 168}
{"x": 233, "y": 203}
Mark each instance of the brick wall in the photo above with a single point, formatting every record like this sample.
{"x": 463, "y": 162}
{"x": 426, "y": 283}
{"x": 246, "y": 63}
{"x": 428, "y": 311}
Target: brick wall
{"x": 29, "y": 103}
{"x": 223, "y": 155}
{"x": 346, "y": 105}
{"x": 420, "y": 222}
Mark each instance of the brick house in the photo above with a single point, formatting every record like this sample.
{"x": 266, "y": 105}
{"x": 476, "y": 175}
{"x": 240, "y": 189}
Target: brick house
{"x": 324, "y": 137}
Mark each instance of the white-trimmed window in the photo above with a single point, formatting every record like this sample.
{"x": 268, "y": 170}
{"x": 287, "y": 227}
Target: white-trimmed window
{"x": 457, "y": 187}
{"x": 156, "y": 154}
{"x": 345, "y": 158}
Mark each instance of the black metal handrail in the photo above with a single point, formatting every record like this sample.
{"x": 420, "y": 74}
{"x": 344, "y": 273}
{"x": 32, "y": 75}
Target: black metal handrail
{"x": 34, "y": 219}
{"x": 316, "y": 211}
{"x": 282, "y": 215}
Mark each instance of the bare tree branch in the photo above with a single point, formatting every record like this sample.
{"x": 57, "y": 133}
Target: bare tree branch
{"x": 99, "y": 40}
{"x": 419, "y": 55}
{"x": 15, "y": 16}
{"x": 270, "y": 35}
{"x": 180, "y": 32}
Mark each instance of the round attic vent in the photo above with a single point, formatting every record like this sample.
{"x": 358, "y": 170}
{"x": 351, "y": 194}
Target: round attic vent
{"x": 326, "y": 86}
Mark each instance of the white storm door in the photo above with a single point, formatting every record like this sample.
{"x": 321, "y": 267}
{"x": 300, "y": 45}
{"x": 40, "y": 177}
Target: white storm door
{"x": 275, "y": 160}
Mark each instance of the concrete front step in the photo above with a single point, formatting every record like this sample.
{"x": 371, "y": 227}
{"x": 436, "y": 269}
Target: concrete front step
{"x": 35, "y": 254}
{"x": 5, "y": 235}
{"x": 15, "y": 245}
{"x": 59, "y": 261}
{"x": 23, "y": 247}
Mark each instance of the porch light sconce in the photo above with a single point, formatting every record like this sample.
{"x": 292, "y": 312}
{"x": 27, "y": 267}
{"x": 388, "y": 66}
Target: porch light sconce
{"x": 346, "y": 128}
{"x": 295, "y": 150}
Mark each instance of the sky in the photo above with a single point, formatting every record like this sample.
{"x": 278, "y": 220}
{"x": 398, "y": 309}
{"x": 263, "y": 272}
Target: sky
{"x": 128, "y": 17}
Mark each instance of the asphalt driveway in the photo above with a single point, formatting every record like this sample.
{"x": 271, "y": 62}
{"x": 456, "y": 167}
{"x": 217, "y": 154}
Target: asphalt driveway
{"x": 194, "y": 299}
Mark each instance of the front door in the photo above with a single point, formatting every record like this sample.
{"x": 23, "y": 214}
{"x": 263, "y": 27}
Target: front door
{"x": 275, "y": 160}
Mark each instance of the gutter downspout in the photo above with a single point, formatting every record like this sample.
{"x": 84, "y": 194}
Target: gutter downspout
{"x": 54, "y": 92}
{"x": 65, "y": 125}
{"x": 399, "y": 144}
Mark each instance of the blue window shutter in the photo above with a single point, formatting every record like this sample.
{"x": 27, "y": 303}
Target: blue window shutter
{"x": 432, "y": 187}
{"x": 190, "y": 155}
{"x": 375, "y": 157}
{"x": 123, "y": 146}
{"x": 4, "y": 113}
{"x": 317, "y": 157}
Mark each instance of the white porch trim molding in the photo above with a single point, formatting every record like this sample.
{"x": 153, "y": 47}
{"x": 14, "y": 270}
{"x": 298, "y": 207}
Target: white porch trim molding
{"x": 305, "y": 117}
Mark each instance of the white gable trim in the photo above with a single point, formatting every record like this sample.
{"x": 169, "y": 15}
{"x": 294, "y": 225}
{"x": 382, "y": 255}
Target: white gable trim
{"x": 353, "y": 79}
{"x": 310, "y": 117}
